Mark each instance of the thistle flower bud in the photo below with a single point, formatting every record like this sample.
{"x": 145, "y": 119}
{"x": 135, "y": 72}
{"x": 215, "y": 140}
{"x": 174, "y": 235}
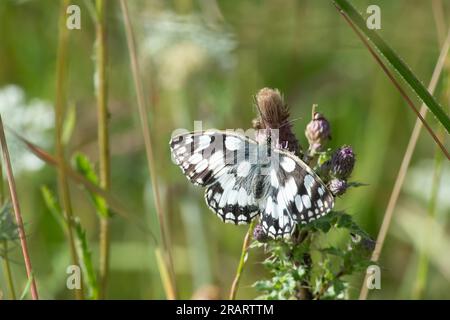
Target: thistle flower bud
{"x": 342, "y": 162}
{"x": 318, "y": 132}
{"x": 337, "y": 186}
{"x": 259, "y": 234}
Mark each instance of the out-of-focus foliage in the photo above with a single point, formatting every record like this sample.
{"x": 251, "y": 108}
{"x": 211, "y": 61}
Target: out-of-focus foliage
{"x": 205, "y": 60}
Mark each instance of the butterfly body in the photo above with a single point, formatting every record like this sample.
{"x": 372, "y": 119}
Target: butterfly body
{"x": 245, "y": 179}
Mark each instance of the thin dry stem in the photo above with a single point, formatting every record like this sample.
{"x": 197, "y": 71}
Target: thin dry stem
{"x": 167, "y": 254}
{"x": 17, "y": 212}
{"x": 59, "y": 119}
{"x": 6, "y": 264}
{"x": 103, "y": 139}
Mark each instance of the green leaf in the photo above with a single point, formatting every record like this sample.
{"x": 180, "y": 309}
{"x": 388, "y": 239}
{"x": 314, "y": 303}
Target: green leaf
{"x": 333, "y": 251}
{"x": 85, "y": 255}
{"x": 84, "y": 167}
{"x": 396, "y": 62}
{"x": 345, "y": 221}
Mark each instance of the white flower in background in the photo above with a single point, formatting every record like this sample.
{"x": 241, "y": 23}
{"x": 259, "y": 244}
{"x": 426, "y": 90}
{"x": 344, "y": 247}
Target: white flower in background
{"x": 32, "y": 119}
{"x": 183, "y": 44}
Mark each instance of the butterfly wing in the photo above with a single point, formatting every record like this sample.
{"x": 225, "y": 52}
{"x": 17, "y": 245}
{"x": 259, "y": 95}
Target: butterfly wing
{"x": 296, "y": 195}
{"x": 223, "y": 162}
{"x": 231, "y": 196}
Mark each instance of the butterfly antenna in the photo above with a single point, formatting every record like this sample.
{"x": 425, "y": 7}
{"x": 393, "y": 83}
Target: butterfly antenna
{"x": 290, "y": 121}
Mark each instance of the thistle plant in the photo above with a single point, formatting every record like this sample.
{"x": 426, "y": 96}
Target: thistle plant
{"x": 305, "y": 266}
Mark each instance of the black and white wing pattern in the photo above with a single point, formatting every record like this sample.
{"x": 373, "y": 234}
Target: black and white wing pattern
{"x": 222, "y": 162}
{"x": 244, "y": 179}
{"x": 296, "y": 195}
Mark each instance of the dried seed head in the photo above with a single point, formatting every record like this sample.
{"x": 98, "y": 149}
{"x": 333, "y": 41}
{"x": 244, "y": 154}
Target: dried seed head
{"x": 342, "y": 162}
{"x": 337, "y": 187}
{"x": 274, "y": 111}
{"x": 259, "y": 234}
{"x": 318, "y": 132}
{"x": 274, "y": 114}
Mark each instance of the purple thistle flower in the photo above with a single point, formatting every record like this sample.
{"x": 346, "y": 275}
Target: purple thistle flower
{"x": 342, "y": 162}
{"x": 318, "y": 132}
{"x": 337, "y": 187}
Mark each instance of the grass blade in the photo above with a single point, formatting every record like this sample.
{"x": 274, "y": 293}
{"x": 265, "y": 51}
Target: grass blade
{"x": 404, "y": 71}
{"x": 166, "y": 254}
{"x": 60, "y": 106}
{"x": 27, "y": 288}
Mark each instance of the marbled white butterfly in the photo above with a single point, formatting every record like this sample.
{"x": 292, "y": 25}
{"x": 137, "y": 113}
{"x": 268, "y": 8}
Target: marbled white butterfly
{"x": 245, "y": 178}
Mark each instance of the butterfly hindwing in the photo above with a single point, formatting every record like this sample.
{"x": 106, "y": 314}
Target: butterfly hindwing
{"x": 296, "y": 195}
{"x": 231, "y": 197}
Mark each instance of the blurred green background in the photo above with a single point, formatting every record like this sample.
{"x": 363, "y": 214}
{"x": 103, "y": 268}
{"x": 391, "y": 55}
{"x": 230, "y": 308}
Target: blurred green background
{"x": 205, "y": 60}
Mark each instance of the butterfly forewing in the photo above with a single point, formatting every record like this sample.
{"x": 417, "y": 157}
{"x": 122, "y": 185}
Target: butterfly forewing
{"x": 224, "y": 162}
